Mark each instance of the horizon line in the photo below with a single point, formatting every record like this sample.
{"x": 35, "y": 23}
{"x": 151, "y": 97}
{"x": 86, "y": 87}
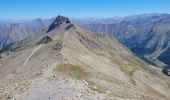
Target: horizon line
{"x": 90, "y": 17}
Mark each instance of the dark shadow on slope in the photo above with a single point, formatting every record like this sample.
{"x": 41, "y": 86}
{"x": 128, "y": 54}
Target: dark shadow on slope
{"x": 45, "y": 40}
{"x": 147, "y": 61}
{"x": 166, "y": 70}
{"x": 165, "y": 57}
{"x": 6, "y": 48}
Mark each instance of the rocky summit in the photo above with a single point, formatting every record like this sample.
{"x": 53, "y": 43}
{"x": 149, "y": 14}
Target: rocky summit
{"x": 67, "y": 62}
{"x": 57, "y": 22}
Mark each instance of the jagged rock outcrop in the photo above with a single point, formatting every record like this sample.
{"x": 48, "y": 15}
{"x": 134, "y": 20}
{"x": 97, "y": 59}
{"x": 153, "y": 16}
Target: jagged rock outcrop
{"x": 45, "y": 40}
{"x": 59, "y": 21}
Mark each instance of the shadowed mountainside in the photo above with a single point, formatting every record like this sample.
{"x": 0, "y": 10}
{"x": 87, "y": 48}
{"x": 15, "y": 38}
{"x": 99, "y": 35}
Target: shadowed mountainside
{"x": 146, "y": 35}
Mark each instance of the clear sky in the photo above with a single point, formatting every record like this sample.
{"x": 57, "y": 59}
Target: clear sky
{"x": 30, "y": 9}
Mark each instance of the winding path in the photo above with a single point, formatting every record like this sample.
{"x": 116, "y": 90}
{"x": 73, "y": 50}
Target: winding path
{"x": 32, "y": 53}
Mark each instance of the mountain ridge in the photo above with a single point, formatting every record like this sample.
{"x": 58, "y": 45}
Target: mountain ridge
{"x": 143, "y": 34}
{"x": 72, "y": 63}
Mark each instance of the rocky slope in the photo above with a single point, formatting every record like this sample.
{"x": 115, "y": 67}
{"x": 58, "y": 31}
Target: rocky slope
{"x": 66, "y": 62}
{"x": 146, "y": 35}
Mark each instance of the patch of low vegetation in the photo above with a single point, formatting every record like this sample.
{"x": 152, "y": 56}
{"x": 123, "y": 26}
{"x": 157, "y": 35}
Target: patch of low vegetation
{"x": 73, "y": 71}
{"x": 23, "y": 86}
{"x": 3, "y": 95}
{"x": 129, "y": 69}
{"x": 14, "y": 71}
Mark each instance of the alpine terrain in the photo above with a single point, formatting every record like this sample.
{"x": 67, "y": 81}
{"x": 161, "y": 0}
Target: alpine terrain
{"x": 64, "y": 61}
{"x": 147, "y": 35}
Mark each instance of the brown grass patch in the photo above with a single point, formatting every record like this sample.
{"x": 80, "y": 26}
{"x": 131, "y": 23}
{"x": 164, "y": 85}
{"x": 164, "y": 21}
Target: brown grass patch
{"x": 23, "y": 86}
{"x": 73, "y": 71}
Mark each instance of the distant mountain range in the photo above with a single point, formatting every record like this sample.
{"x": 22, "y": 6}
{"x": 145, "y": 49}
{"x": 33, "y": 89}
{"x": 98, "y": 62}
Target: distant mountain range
{"x": 13, "y": 32}
{"x": 147, "y": 35}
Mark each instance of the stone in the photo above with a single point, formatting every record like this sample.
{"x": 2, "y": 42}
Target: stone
{"x": 45, "y": 40}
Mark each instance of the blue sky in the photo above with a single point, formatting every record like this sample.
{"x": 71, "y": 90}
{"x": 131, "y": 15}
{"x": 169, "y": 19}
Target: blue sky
{"x": 30, "y": 9}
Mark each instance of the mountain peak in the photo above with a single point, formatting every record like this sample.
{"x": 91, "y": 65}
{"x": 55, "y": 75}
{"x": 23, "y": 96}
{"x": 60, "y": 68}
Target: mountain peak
{"x": 61, "y": 19}
{"x": 58, "y": 21}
